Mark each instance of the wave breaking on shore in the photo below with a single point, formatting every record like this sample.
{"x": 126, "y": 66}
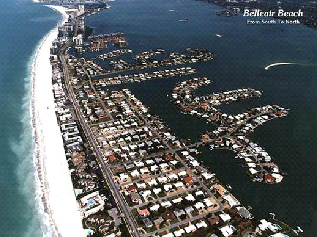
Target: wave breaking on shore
{"x": 25, "y": 150}
{"x": 54, "y": 186}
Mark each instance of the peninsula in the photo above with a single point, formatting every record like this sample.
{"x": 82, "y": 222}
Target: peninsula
{"x": 131, "y": 175}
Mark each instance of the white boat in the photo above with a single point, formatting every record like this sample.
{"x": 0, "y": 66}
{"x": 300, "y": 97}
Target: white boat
{"x": 218, "y": 35}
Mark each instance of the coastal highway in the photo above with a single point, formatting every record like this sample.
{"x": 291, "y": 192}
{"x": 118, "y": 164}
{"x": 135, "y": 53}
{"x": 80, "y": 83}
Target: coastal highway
{"x": 132, "y": 226}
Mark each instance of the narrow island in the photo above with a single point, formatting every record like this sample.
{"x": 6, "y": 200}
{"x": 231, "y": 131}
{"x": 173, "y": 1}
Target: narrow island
{"x": 109, "y": 167}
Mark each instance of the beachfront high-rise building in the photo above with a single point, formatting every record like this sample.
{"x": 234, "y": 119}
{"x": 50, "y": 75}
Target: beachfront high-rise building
{"x": 81, "y": 10}
{"x": 78, "y": 40}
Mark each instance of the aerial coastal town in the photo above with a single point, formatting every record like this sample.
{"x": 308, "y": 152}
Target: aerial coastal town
{"x": 131, "y": 174}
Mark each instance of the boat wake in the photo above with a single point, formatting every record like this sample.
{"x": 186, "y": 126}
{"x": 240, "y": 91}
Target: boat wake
{"x": 277, "y": 64}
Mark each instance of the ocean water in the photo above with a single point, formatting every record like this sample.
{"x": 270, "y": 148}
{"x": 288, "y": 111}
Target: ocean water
{"x": 23, "y": 25}
{"x": 242, "y": 52}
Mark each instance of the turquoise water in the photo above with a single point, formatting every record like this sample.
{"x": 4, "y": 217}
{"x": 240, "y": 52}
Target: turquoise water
{"x": 23, "y": 25}
{"x": 242, "y": 53}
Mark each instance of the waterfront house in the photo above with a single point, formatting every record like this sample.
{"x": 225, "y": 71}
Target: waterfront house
{"x": 231, "y": 200}
{"x": 227, "y": 230}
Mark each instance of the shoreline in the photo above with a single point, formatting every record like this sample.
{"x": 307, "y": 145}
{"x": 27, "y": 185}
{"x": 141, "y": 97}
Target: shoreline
{"x": 55, "y": 183}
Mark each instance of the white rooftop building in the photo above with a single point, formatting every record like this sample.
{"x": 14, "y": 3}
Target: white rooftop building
{"x": 157, "y": 190}
{"x": 190, "y": 197}
{"x": 155, "y": 207}
{"x": 166, "y": 204}
{"x": 227, "y": 230}
{"x": 225, "y": 217}
{"x": 177, "y": 200}
{"x": 190, "y": 228}
{"x": 179, "y": 232}
{"x": 135, "y": 173}
{"x": 232, "y": 202}
{"x": 199, "y": 205}
{"x": 168, "y": 235}
{"x": 201, "y": 224}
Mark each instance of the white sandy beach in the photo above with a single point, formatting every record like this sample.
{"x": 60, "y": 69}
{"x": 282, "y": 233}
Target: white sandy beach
{"x": 52, "y": 166}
